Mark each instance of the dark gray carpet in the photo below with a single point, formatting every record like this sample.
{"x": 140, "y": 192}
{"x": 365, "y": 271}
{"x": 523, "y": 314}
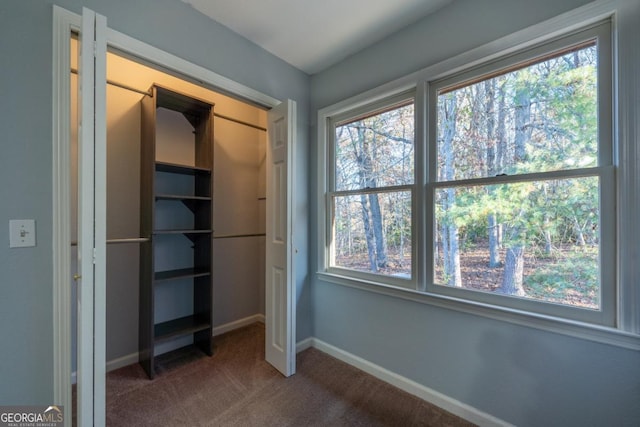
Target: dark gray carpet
{"x": 236, "y": 387}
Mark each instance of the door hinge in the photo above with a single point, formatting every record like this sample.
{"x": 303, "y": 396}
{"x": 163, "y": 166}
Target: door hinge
{"x": 94, "y": 255}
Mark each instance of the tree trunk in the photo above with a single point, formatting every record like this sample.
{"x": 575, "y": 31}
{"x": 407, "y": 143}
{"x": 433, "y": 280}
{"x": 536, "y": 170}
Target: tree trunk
{"x": 446, "y": 260}
{"x": 378, "y": 233}
{"x": 522, "y": 123}
{"x": 501, "y": 139}
{"x": 368, "y": 233}
{"x": 580, "y": 241}
{"x": 494, "y": 241}
{"x": 455, "y": 276}
{"x": 371, "y": 213}
{"x": 548, "y": 244}
{"x": 514, "y": 261}
{"x": 512, "y": 281}
{"x": 450, "y": 230}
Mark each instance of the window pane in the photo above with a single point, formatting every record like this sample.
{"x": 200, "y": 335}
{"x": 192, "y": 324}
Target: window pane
{"x": 538, "y": 118}
{"x": 536, "y": 240}
{"x": 372, "y": 233}
{"x": 375, "y": 151}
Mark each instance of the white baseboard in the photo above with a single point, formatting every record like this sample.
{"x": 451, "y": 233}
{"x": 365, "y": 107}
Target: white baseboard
{"x": 121, "y": 362}
{"x": 304, "y": 344}
{"x": 456, "y": 407}
{"x": 237, "y": 324}
{"x": 132, "y": 358}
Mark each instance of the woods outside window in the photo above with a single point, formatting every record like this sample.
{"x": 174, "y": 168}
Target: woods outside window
{"x": 514, "y": 200}
{"x": 371, "y": 193}
{"x": 521, "y": 180}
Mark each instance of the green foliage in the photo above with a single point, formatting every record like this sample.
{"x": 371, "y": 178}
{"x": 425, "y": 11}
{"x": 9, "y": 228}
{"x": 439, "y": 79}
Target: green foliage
{"x": 536, "y": 119}
{"x": 571, "y": 274}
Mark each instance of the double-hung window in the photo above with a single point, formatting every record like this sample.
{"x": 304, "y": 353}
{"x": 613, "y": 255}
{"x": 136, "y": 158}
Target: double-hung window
{"x": 521, "y": 184}
{"x": 510, "y": 201}
{"x": 371, "y": 188}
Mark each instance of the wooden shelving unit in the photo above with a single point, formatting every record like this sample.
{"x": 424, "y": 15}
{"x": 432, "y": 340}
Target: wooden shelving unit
{"x": 198, "y": 198}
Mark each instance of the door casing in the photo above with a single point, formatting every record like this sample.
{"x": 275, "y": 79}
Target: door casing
{"x": 64, "y": 23}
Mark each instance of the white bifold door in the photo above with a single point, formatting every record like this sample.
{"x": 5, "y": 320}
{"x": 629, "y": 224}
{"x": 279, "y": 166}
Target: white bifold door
{"x": 92, "y": 164}
{"x": 280, "y": 302}
{"x": 91, "y": 275}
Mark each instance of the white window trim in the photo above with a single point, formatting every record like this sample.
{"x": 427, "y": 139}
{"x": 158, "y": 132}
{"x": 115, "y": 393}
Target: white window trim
{"x": 626, "y": 333}
{"x": 331, "y": 123}
{"x": 604, "y": 171}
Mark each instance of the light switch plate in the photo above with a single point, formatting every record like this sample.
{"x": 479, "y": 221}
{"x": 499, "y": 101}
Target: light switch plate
{"x": 22, "y": 233}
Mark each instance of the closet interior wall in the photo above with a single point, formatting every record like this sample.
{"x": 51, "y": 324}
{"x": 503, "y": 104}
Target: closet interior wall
{"x": 238, "y": 198}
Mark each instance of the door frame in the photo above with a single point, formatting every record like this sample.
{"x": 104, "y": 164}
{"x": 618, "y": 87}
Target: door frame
{"x": 64, "y": 23}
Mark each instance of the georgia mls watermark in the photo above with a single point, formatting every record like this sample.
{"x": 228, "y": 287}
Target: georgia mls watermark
{"x": 31, "y": 416}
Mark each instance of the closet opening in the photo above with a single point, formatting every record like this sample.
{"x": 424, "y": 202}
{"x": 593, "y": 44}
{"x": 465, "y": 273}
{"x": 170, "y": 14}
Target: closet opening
{"x": 238, "y": 207}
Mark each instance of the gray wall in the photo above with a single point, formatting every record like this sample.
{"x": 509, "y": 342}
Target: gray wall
{"x": 25, "y": 168}
{"x": 519, "y": 374}
{"x": 25, "y": 163}
{"x": 523, "y": 375}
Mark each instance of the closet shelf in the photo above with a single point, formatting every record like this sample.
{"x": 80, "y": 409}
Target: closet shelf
{"x": 181, "y": 169}
{"x": 183, "y": 273}
{"x": 182, "y": 231}
{"x": 178, "y": 327}
{"x": 164, "y": 186}
{"x": 181, "y": 197}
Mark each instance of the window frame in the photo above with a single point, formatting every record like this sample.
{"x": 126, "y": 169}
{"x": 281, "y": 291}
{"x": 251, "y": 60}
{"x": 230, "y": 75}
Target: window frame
{"x": 379, "y": 106}
{"x": 600, "y": 33}
{"x": 625, "y": 332}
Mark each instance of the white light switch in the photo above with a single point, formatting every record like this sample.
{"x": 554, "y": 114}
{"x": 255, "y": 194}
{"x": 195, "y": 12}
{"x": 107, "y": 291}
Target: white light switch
{"x": 22, "y": 233}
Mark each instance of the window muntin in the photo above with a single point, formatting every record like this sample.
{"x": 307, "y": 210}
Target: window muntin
{"x": 371, "y": 190}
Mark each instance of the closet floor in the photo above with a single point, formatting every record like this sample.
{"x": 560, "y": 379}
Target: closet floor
{"x": 236, "y": 387}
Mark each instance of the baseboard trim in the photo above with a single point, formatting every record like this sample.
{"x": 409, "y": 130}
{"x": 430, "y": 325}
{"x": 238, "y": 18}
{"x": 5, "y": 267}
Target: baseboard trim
{"x": 447, "y": 403}
{"x": 304, "y": 344}
{"x": 237, "y": 324}
{"x": 132, "y": 358}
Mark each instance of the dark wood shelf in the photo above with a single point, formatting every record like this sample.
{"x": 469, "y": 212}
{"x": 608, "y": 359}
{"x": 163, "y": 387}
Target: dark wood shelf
{"x": 182, "y": 231}
{"x": 180, "y": 197}
{"x": 163, "y": 187}
{"x": 181, "y": 169}
{"x": 183, "y": 273}
{"x": 178, "y": 327}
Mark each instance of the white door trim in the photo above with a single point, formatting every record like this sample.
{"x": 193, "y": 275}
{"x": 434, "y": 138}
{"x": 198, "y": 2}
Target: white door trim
{"x": 64, "y": 22}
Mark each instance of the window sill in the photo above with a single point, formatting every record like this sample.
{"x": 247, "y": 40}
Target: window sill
{"x": 586, "y": 331}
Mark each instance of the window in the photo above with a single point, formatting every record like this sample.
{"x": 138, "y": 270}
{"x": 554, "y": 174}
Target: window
{"x": 521, "y": 162}
{"x": 507, "y": 196}
{"x": 371, "y": 190}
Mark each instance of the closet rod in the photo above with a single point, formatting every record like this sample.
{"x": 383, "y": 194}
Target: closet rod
{"x": 241, "y": 122}
{"x": 148, "y": 93}
{"x": 231, "y": 236}
{"x": 119, "y": 241}
{"x": 121, "y": 86}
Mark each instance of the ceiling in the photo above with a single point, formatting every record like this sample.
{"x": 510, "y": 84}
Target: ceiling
{"x": 312, "y": 35}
